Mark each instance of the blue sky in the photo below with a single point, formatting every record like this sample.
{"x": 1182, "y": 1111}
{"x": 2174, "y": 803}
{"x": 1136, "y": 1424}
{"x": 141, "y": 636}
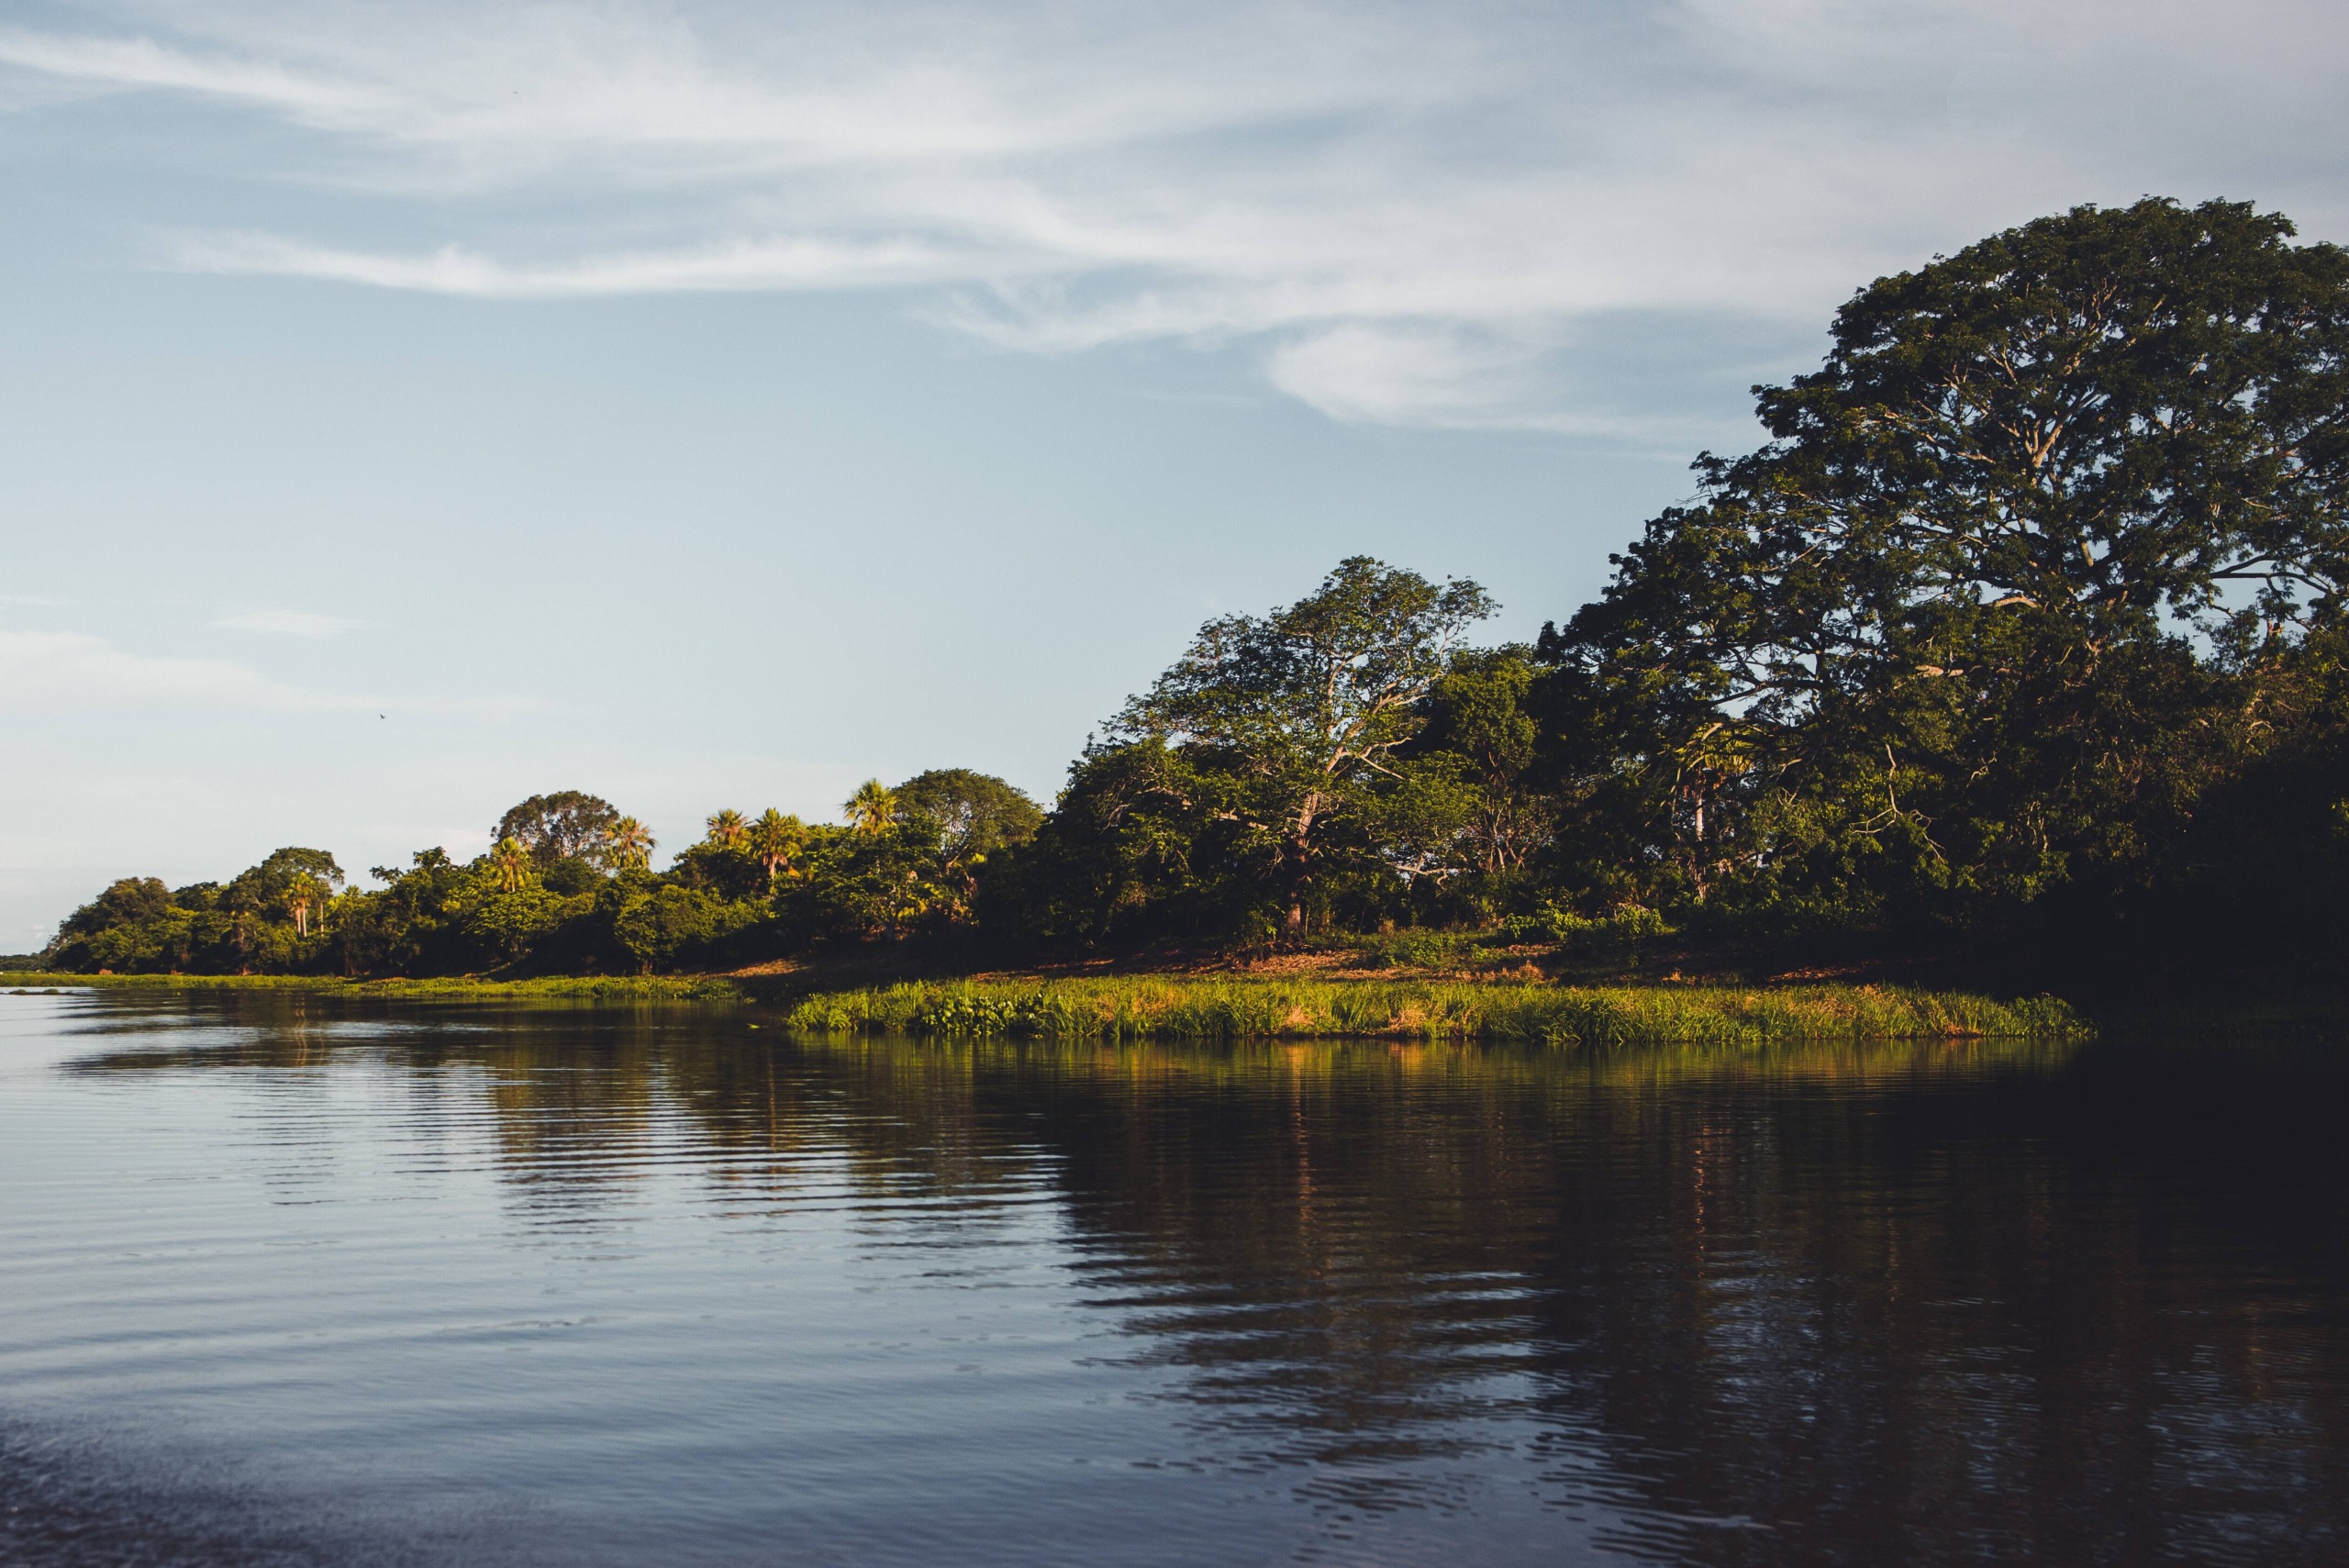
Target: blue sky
{"x": 409, "y": 407}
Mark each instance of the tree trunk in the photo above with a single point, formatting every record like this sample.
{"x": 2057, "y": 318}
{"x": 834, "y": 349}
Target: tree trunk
{"x": 1299, "y": 856}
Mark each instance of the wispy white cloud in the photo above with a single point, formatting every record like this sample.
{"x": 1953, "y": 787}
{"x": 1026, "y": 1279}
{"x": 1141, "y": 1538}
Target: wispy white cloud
{"x": 1415, "y": 212}
{"x": 1391, "y": 371}
{"x": 725, "y": 265}
{"x": 138, "y": 62}
{"x": 287, "y": 623}
{"x": 50, "y": 671}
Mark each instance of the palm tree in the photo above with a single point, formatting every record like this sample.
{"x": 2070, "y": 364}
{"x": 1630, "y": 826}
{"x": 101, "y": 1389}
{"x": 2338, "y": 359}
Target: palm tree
{"x": 295, "y": 879}
{"x": 727, "y": 830}
{"x": 776, "y": 842}
{"x": 629, "y": 842}
{"x": 511, "y": 861}
{"x": 872, "y": 808}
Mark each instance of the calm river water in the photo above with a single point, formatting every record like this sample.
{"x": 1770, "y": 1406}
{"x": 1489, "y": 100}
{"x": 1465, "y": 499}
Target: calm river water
{"x": 289, "y": 1281}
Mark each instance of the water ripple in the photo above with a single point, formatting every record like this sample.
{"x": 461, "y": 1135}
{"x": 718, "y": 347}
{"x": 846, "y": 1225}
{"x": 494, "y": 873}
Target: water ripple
{"x": 303, "y": 1280}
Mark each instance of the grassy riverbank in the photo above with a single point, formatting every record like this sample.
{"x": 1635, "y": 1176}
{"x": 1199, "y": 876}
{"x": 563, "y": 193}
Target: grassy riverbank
{"x": 1236, "y": 1008}
{"x": 1214, "y": 1008}
{"x": 614, "y": 988}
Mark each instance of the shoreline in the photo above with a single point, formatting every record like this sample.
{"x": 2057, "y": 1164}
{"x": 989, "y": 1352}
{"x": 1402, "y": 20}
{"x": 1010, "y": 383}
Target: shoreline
{"x": 1239, "y": 1003}
{"x": 1180, "y": 1006}
{"x": 652, "y": 987}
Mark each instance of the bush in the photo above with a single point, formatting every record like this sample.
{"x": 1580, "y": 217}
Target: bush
{"x": 669, "y": 923}
{"x": 1626, "y": 927}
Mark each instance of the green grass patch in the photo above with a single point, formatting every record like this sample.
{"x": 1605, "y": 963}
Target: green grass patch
{"x": 1147, "y": 1008}
{"x": 615, "y": 987}
{"x": 48, "y": 980}
{"x": 1186, "y": 1007}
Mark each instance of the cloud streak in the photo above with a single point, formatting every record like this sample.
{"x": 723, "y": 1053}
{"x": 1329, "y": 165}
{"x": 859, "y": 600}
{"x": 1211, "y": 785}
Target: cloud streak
{"x": 1410, "y": 214}
{"x": 63, "y": 671}
{"x": 733, "y": 265}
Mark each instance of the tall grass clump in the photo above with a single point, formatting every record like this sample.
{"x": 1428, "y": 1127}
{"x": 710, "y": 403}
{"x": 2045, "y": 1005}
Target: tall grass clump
{"x": 1234, "y": 1009}
{"x": 1618, "y": 931}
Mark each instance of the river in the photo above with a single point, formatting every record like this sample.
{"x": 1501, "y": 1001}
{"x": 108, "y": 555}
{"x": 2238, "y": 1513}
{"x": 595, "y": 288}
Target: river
{"x": 291, "y": 1279}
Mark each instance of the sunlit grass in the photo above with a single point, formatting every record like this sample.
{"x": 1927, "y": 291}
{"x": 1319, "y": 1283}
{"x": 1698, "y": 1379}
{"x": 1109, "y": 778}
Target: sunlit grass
{"x": 1224, "y": 1008}
{"x": 1210, "y": 1007}
{"x": 647, "y": 987}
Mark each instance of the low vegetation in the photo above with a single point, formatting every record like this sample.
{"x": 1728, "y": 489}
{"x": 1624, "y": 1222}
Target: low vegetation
{"x": 595, "y": 987}
{"x": 1234, "y": 1009}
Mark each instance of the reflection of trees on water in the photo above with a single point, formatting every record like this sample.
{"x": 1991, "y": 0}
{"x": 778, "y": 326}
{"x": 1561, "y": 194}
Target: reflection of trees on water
{"x": 1918, "y": 1303}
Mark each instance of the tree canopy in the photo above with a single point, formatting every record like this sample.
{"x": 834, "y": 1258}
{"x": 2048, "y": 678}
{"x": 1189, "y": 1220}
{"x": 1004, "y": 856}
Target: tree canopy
{"x": 2016, "y": 566}
{"x": 975, "y": 813}
{"x": 1302, "y": 713}
{"x": 568, "y": 824}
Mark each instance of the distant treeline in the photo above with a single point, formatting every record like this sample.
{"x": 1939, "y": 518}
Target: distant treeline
{"x": 2024, "y": 635}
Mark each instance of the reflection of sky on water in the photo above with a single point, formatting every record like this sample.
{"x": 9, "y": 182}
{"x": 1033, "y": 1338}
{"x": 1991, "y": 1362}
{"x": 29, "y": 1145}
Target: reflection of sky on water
{"x": 652, "y": 1270}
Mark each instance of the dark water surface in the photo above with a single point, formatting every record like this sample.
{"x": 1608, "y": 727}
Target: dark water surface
{"x": 284, "y": 1280}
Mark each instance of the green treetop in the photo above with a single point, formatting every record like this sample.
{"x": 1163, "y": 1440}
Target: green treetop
{"x": 1309, "y": 705}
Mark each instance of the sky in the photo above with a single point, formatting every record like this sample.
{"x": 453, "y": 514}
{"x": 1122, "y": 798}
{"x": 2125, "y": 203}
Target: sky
{"x": 405, "y": 408}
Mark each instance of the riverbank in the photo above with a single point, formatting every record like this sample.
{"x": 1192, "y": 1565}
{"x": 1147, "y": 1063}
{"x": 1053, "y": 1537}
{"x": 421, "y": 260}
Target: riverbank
{"x": 612, "y": 987}
{"x": 1220, "y": 1008}
{"x": 1242, "y": 1007}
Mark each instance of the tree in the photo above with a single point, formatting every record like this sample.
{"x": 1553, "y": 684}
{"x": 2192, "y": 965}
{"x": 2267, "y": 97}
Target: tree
{"x": 1999, "y": 598}
{"x": 666, "y": 924}
{"x": 722, "y": 862}
{"x": 1307, "y": 707}
{"x": 510, "y": 863}
{"x": 124, "y": 903}
{"x": 974, "y": 815}
{"x": 776, "y": 842}
{"x": 134, "y": 925}
{"x": 2097, "y": 417}
{"x": 1478, "y": 717}
{"x": 858, "y": 884}
{"x": 629, "y": 844}
{"x": 435, "y": 915}
{"x": 297, "y": 881}
{"x": 871, "y": 809}
{"x": 567, "y": 825}
{"x": 503, "y": 922}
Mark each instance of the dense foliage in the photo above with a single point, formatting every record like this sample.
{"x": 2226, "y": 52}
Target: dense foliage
{"x": 2044, "y": 562}
{"x": 566, "y": 887}
{"x": 2024, "y": 632}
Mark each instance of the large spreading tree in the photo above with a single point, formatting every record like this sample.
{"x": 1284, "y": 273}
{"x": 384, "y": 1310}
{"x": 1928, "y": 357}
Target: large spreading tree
{"x": 1302, "y": 715}
{"x": 568, "y": 824}
{"x": 2016, "y": 573}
